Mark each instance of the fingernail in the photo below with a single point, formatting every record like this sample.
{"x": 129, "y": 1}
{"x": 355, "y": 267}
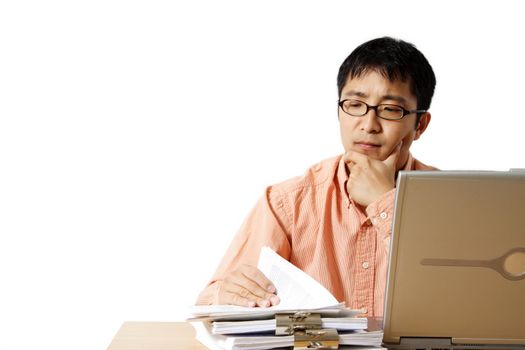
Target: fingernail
{"x": 271, "y": 289}
{"x": 265, "y": 303}
{"x": 275, "y": 299}
{"x": 251, "y": 303}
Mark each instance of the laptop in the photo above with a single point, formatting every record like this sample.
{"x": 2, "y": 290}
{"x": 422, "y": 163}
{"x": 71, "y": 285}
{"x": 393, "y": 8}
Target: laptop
{"x": 456, "y": 277}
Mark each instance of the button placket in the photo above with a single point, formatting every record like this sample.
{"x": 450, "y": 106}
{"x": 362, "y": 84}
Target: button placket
{"x": 364, "y": 270}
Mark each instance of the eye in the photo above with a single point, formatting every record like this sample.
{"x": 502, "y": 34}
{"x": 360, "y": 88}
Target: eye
{"x": 392, "y": 108}
{"x": 354, "y": 107}
{"x": 354, "y": 104}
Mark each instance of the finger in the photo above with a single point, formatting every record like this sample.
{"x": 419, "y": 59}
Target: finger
{"x": 232, "y": 298}
{"x": 391, "y": 160}
{"x": 253, "y": 299}
{"x": 232, "y": 293}
{"x": 240, "y": 284}
{"x": 354, "y": 157}
{"x": 247, "y": 294}
{"x": 255, "y": 275}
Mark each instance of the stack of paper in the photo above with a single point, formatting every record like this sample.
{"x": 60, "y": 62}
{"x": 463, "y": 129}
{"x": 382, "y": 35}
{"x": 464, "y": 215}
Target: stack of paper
{"x": 357, "y": 340}
{"x": 236, "y": 327}
{"x": 269, "y": 325}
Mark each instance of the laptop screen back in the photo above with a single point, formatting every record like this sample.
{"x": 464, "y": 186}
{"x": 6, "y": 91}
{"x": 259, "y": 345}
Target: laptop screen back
{"x": 449, "y": 275}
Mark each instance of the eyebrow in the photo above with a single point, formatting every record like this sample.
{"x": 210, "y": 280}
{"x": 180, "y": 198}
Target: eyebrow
{"x": 356, "y": 93}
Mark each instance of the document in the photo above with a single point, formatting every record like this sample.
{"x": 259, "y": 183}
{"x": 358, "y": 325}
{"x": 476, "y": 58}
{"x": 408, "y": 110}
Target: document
{"x": 306, "y": 308}
{"x": 356, "y": 340}
{"x": 348, "y": 322}
{"x": 294, "y": 287}
{"x": 296, "y": 290}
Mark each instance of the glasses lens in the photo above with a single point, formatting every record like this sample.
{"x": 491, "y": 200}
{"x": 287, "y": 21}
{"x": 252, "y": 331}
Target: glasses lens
{"x": 390, "y": 112}
{"x": 354, "y": 107}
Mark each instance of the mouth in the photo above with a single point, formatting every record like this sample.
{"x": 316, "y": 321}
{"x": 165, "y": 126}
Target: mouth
{"x": 366, "y": 146}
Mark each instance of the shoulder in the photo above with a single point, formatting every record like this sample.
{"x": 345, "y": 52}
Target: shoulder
{"x": 422, "y": 166}
{"x": 316, "y": 175}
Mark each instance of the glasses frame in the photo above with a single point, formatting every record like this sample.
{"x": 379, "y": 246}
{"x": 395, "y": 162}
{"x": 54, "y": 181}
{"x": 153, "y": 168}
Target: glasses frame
{"x": 368, "y": 108}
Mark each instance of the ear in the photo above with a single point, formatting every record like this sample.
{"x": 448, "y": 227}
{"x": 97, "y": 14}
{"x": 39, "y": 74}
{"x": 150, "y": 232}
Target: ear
{"x": 422, "y": 125}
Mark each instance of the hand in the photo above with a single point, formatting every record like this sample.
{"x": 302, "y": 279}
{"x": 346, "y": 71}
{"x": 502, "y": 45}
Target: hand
{"x": 247, "y": 286}
{"x": 369, "y": 178}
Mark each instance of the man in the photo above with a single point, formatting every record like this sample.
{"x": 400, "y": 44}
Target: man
{"x": 334, "y": 222}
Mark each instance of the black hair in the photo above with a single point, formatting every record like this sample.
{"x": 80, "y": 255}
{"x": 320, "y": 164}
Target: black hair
{"x": 396, "y": 60}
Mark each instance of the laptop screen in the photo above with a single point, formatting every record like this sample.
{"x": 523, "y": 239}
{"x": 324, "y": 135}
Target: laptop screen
{"x": 457, "y": 259}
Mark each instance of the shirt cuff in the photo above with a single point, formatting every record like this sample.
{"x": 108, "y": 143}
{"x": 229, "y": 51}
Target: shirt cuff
{"x": 381, "y": 212}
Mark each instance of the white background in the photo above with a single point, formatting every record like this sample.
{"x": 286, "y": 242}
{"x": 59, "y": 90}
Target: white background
{"x": 136, "y": 135}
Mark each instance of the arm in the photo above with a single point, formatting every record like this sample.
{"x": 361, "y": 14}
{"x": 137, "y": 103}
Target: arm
{"x": 371, "y": 183}
{"x": 381, "y": 212}
{"x": 237, "y": 280}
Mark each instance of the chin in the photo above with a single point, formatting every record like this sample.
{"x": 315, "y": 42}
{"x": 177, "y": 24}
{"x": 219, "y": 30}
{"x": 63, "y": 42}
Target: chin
{"x": 372, "y": 153}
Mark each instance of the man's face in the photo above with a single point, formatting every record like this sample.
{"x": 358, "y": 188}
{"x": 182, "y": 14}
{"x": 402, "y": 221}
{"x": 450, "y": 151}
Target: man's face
{"x": 371, "y": 135}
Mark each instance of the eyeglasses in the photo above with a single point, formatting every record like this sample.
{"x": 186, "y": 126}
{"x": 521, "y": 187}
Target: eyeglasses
{"x": 358, "y": 108}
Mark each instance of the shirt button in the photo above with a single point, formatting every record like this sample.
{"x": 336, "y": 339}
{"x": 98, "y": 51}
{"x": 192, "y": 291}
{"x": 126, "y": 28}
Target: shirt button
{"x": 365, "y": 265}
{"x": 383, "y": 215}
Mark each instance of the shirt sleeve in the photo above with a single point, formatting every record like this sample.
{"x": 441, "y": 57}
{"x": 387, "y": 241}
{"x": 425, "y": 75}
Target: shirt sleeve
{"x": 266, "y": 225}
{"x": 381, "y": 212}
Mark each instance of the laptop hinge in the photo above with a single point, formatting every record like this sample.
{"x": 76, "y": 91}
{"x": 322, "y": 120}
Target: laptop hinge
{"x": 416, "y": 343}
{"x": 424, "y": 343}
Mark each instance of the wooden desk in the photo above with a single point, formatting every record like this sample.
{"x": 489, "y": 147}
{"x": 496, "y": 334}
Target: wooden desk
{"x": 155, "y": 336}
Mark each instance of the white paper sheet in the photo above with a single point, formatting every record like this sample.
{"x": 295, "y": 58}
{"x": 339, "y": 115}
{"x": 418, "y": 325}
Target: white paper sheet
{"x": 296, "y": 289}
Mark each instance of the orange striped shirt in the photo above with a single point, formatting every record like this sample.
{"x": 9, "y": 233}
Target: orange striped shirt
{"x": 312, "y": 222}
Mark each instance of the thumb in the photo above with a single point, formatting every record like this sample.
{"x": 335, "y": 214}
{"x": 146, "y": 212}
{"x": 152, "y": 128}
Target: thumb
{"x": 391, "y": 161}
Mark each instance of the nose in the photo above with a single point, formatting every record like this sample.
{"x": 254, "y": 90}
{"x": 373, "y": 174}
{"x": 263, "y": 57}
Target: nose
{"x": 370, "y": 122}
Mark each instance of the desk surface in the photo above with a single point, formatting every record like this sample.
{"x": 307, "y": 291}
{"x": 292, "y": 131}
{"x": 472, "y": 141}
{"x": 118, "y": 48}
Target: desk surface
{"x": 155, "y": 336}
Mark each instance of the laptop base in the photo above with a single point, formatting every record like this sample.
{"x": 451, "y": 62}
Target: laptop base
{"x": 414, "y": 343}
